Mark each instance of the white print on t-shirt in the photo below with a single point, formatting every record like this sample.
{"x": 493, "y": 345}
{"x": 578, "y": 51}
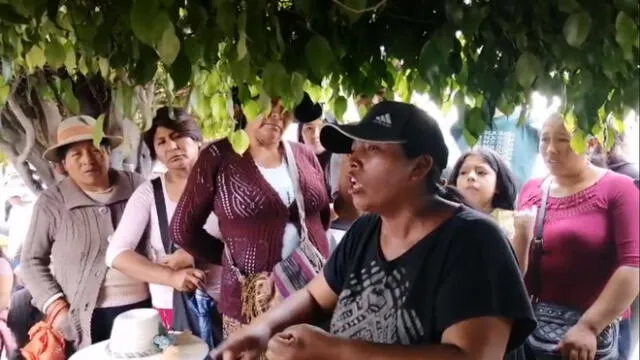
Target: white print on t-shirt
{"x": 370, "y": 308}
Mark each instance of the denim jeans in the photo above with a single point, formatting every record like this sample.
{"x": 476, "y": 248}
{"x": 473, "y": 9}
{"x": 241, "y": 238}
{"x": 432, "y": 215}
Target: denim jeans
{"x": 625, "y": 342}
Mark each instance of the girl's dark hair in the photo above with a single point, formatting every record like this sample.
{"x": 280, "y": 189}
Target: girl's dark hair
{"x": 434, "y": 180}
{"x": 180, "y": 121}
{"x": 506, "y": 189}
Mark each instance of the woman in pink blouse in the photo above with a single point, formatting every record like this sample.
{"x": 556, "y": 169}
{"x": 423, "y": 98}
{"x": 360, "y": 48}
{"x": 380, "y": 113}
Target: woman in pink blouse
{"x": 591, "y": 246}
{"x": 252, "y": 196}
{"x": 175, "y": 142}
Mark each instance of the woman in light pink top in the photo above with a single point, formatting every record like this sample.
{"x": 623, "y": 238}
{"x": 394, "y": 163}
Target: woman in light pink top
{"x": 174, "y": 140}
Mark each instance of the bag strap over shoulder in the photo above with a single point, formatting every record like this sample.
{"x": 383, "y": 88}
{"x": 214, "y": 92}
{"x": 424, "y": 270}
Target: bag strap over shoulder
{"x": 161, "y": 210}
{"x": 546, "y": 187}
{"x": 537, "y": 247}
{"x": 292, "y": 166}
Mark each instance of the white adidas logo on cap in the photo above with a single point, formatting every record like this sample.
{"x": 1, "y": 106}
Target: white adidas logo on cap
{"x": 384, "y": 120}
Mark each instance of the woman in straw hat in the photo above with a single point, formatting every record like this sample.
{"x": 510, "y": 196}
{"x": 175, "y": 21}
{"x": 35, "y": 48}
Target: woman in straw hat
{"x": 63, "y": 254}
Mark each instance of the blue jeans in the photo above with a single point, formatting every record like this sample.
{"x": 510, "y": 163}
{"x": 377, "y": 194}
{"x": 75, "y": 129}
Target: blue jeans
{"x": 625, "y": 342}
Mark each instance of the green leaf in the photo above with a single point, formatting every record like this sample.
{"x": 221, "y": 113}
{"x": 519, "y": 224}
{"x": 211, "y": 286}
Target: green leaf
{"x": 197, "y": 17}
{"x": 242, "y": 46}
{"x": 455, "y": 11}
{"x": 319, "y": 56}
{"x": 626, "y": 31}
{"x": 181, "y": 70}
{"x": 568, "y": 6}
{"x": 251, "y": 110}
{"x": 528, "y": 68}
{"x": 239, "y": 141}
{"x": 193, "y": 48}
{"x": 70, "y": 61}
{"x": 474, "y": 122}
{"x": 68, "y": 98}
{"x": 169, "y": 46}
{"x": 7, "y": 70}
{"x": 98, "y": 131}
{"x": 5, "y": 90}
{"x": 469, "y": 138}
{"x": 340, "y": 107}
{"x": 146, "y": 66}
{"x": 576, "y": 29}
{"x": 226, "y": 17}
{"x": 10, "y": 15}
{"x": 219, "y": 107}
{"x": 297, "y": 87}
{"x": 103, "y": 65}
{"x": 579, "y": 142}
{"x": 55, "y": 53}
{"x": 240, "y": 69}
{"x": 35, "y": 58}
{"x": 142, "y": 16}
{"x": 430, "y": 60}
{"x": 305, "y": 7}
{"x": 274, "y": 79}
{"x": 353, "y": 4}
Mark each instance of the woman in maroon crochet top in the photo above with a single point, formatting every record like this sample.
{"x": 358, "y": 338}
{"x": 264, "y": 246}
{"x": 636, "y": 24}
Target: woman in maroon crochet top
{"x": 253, "y": 198}
{"x": 591, "y": 241}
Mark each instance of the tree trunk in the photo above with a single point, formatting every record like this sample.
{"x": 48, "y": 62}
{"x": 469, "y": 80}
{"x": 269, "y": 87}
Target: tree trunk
{"x": 28, "y": 126}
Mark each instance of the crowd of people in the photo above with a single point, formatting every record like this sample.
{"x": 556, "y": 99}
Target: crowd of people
{"x": 357, "y": 241}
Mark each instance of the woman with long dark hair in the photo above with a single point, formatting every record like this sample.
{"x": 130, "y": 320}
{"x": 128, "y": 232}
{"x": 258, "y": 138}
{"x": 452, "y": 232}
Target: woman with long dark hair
{"x": 419, "y": 277}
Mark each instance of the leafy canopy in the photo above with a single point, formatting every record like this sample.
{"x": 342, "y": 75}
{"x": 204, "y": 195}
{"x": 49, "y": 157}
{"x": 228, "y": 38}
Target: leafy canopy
{"x": 477, "y": 55}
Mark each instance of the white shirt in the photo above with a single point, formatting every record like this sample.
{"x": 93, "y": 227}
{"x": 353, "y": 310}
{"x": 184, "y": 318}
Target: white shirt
{"x": 281, "y": 182}
{"x": 141, "y": 213}
{"x": 19, "y": 221}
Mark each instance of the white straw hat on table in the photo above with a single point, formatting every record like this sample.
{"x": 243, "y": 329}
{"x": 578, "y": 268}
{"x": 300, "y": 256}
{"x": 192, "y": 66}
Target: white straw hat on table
{"x": 139, "y": 334}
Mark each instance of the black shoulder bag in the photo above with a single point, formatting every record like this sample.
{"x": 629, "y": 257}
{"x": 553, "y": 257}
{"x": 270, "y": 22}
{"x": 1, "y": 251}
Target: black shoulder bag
{"x": 554, "y": 321}
{"x": 183, "y": 319}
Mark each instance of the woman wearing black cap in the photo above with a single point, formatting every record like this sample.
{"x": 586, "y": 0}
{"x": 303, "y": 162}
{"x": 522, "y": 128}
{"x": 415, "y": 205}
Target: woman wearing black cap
{"x": 420, "y": 277}
{"x": 310, "y": 122}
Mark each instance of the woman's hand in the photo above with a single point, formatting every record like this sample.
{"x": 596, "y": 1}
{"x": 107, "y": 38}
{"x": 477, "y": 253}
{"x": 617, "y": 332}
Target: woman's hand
{"x": 187, "y": 280}
{"x": 579, "y": 343}
{"x": 524, "y": 224}
{"x": 180, "y": 259}
{"x": 300, "y": 342}
{"x": 246, "y": 343}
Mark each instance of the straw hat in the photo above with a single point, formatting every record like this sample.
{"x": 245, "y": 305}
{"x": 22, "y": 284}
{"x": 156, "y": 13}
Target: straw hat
{"x": 76, "y": 129}
{"x": 139, "y": 334}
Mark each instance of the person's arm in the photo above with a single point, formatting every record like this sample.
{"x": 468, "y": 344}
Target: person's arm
{"x": 35, "y": 270}
{"x": 316, "y": 300}
{"x": 623, "y": 286}
{"x": 6, "y": 282}
{"x": 325, "y": 211}
{"x": 481, "y": 309}
{"x": 121, "y": 254}
{"x": 479, "y": 339}
{"x": 194, "y": 207}
{"x": 524, "y": 226}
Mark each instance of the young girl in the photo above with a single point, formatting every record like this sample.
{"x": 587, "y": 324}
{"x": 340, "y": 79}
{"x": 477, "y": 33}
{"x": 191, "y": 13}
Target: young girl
{"x": 488, "y": 184}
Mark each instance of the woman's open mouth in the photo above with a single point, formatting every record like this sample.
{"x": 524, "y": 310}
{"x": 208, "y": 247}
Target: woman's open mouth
{"x": 354, "y": 186}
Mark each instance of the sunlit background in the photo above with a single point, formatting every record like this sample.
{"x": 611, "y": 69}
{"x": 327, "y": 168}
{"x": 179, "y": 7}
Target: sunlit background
{"x": 540, "y": 110}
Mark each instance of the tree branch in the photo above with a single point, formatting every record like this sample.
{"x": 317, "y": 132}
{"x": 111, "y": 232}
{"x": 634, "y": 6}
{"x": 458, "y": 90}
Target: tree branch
{"x": 25, "y": 122}
{"x": 360, "y": 11}
{"x": 21, "y": 167}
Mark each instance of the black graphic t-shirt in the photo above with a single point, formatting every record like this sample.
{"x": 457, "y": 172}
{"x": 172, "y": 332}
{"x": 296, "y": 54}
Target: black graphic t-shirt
{"x": 463, "y": 269}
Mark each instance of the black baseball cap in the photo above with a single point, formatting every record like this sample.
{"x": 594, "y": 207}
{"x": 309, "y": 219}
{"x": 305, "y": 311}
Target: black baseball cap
{"x": 391, "y": 122}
